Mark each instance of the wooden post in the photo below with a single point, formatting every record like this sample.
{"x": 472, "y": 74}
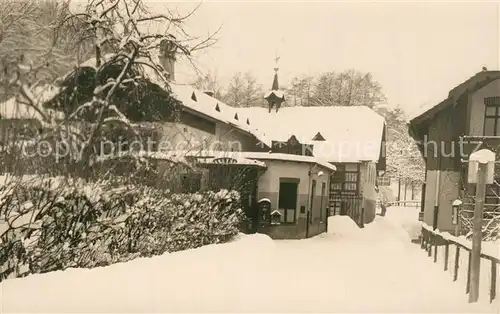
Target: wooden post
{"x": 399, "y": 189}
{"x": 457, "y": 261}
{"x": 467, "y": 288}
{"x": 406, "y": 188}
{"x": 429, "y": 248}
{"x": 422, "y": 243}
{"x": 493, "y": 284}
{"x": 475, "y": 261}
{"x": 446, "y": 253}
{"x": 436, "y": 215}
{"x": 435, "y": 252}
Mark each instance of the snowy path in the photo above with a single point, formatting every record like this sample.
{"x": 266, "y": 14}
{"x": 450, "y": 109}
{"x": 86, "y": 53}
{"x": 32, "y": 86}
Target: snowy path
{"x": 376, "y": 269}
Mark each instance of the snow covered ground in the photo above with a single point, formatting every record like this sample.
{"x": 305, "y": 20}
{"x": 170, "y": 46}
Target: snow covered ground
{"x": 375, "y": 269}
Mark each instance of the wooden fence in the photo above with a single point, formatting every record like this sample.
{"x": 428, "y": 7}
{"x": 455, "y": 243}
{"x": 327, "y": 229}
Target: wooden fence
{"x": 406, "y": 203}
{"x": 352, "y": 206}
{"x": 430, "y": 242}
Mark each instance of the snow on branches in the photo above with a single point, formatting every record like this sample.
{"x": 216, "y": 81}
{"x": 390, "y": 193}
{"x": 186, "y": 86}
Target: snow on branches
{"x": 101, "y": 93}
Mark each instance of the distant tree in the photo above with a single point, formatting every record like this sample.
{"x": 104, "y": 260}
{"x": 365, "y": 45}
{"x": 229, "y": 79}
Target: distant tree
{"x": 210, "y": 82}
{"x": 243, "y": 91}
{"x": 300, "y": 92}
{"x": 253, "y": 95}
{"x": 403, "y": 157}
{"x": 348, "y": 88}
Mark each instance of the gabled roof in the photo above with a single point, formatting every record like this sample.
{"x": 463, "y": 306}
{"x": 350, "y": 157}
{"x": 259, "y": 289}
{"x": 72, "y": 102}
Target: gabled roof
{"x": 351, "y": 133}
{"x": 191, "y": 98}
{"x": 199, "y": 101}
{"x": 217, "y": 110}
{"x": 472, "y": 84}
{"x": 208, "y": 154}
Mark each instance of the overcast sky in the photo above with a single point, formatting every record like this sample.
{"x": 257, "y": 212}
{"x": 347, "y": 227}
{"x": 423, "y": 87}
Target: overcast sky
{"x": 417, "y": 51}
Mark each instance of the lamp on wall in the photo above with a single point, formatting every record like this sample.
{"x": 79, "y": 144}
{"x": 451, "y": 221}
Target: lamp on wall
{"x": 311, "y": 172}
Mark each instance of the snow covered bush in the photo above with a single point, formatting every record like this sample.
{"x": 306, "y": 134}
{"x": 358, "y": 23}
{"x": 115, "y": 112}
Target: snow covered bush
{"x": 49, "y": 225}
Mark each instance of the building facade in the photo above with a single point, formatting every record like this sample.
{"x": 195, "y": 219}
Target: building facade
{"x": 447, "y": 134}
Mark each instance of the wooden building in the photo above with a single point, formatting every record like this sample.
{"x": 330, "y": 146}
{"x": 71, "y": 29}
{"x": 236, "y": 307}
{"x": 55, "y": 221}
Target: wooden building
{"x": 467, "y": 120}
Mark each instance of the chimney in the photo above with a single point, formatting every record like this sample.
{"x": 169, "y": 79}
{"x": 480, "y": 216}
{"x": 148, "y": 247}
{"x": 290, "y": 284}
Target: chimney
{"x": 168, "y": 49}
{"x": 209, "y": 93}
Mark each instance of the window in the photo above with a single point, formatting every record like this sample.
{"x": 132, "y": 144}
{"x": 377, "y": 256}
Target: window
{"x": 383, "y": 181}
{"x": 351, "y": 181}
{"x": 492, "y": 116}
{"x": 313, "y": 195}
{"x": 492, "y": 194}
{"x": 323, "y": 190}
{"x": 346, "y": 179}
{"x": 287, "y": 202}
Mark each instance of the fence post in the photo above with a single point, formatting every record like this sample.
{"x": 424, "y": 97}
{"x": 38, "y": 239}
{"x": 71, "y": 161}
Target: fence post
{"x": 481, "y": 171}
{"x": 475, "y": 261}
{"x": 446, "y": 253}
{"x": 435, "y": 251}
{"x": 457, "y": 261}
{"x": 422, "y": 243}
{"x": 429, "y": 247}
{"x": 493, "y": 284}
{"x": 436, "y": 215}
{"x": 362, "y": 217}
{"x": 467, "y": 289}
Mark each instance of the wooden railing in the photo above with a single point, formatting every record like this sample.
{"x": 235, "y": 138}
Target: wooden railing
{"x": 430, "y": 242}
{"x": 406, "y": 203}
{"x": 413, "y": 203}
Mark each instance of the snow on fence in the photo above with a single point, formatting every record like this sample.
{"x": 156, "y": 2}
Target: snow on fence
{"x": 405, "y": 204}
{"x": 455, "y": 252}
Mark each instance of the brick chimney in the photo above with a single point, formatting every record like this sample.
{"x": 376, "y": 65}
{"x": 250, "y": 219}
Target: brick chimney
{"x": 167, "y": 56}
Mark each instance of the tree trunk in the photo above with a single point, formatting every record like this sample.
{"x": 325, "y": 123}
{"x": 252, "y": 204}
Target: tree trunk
{"x": 406, "y": 189}
{"x": 399, "y": 189}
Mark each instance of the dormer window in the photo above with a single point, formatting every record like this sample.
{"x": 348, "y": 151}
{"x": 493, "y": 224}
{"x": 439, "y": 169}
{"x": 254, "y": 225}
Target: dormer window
{"x": 248, "y": 121}
{"x": 318, "y": 137}
{"x": 193, "y": 97}
{"x": 236, "y": 116}
{"x": 217, "y": 108}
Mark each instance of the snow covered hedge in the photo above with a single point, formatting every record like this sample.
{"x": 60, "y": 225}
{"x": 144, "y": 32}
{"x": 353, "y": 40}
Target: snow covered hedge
{"x": 51, "y": 225}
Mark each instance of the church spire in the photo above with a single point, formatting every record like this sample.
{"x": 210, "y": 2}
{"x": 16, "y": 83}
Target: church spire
{"x": 275, "y": 97}
{"x": 276, "y": 85}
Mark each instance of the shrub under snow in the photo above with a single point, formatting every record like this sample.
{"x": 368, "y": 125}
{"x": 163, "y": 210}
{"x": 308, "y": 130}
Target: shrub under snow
{"x": 50, "y": 225}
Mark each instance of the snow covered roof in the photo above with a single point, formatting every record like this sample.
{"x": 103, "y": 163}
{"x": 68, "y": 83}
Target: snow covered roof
{"x": 253, "y": 155}
{"x": 470, "y": 85}
{"x": 200, "y": 102}
{"x": 289, "y": 157}
{"x": 15, "y": 109}
{"x": 197, "y": 100}
{"x": 276, "y": 93}
{"x": 352, "y": 134}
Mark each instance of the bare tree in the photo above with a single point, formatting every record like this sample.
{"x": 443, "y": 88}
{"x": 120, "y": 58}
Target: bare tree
{"x": 210, "y": 82}
{"x": 101, "y": 94}
{"x": 404, "y": 160}
{"x": 348, "y": 88}
{"x": 253, "y": 95}
{"x": 300, "y": 92}
{"x": 32, "y": 30}
{"x": 243, "y": 91}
